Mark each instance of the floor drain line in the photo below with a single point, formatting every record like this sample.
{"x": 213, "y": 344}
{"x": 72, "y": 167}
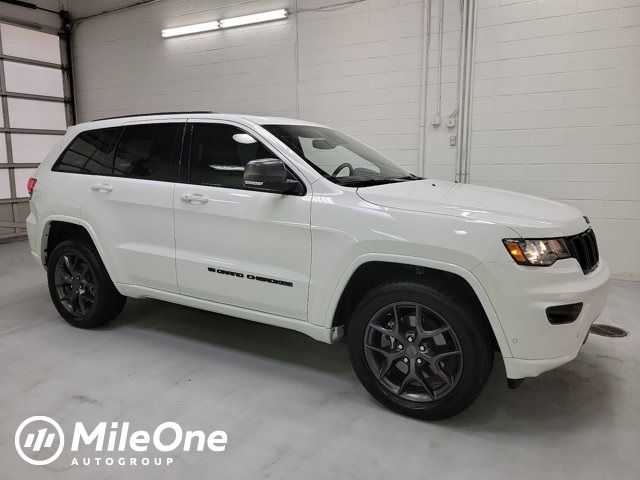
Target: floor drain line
{"x": 607, "y": 330}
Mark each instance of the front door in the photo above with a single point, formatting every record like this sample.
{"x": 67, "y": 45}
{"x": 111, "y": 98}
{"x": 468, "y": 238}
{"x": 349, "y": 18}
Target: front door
{"x": 234, "y": 245}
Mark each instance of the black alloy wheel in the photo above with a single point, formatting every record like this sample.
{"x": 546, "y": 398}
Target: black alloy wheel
{"x": 80, "y": 286}
{"x": 421, "y": 350}
{"x": 75, "y": 283}
{"x": 413, "y": 352}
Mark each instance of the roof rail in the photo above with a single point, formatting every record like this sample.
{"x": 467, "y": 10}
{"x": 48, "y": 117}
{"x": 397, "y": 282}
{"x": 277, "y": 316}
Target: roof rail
{"x": 151, "y": 114}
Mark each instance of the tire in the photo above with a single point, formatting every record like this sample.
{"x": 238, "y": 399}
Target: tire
{"x": 80, "y": 287}
{"x": 422, "y": 376}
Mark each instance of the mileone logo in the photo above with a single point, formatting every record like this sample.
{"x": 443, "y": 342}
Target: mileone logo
{"x": 40, "y": 440}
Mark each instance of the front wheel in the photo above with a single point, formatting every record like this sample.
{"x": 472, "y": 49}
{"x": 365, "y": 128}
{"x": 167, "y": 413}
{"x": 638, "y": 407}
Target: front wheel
{"x": 420, "y": 351}
{"x": 80, "y": 287}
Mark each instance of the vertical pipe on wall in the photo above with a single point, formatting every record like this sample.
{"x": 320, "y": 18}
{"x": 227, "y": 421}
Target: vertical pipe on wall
{"x": 461, "y": 74}
{"x": 297, "y": 59}
{"x": 436, "y": 121}
{"x": 67, "y": 55}
{"x": 471, "y": 60}
{"x": 465, "y": 89}
{"x": 426, "y": 37}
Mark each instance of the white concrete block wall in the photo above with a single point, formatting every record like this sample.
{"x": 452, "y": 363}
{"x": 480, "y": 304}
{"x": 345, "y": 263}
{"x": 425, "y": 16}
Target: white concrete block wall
{"x": 556, "y": 106}
{"x": 440, "y": 153}
{"x": 360, "y": 71}
{"x": 123, "y": 65}
{"x": 359, "y": 67}
{"x": 556, "y": 111}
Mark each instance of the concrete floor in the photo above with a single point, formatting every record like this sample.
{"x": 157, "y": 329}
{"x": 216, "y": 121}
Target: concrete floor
{"x": 291, "y": 406}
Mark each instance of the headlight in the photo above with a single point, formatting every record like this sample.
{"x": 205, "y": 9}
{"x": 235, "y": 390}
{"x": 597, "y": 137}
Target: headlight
{"x": 542, "y": 253}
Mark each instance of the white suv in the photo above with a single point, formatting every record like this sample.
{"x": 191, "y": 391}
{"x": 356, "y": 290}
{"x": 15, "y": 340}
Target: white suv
{"x": 297, "y": 225}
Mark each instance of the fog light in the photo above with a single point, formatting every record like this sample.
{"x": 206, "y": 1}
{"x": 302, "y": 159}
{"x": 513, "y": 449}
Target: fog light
{"x": 561, "y": 314}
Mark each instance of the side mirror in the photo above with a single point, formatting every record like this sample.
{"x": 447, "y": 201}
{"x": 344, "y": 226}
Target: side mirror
{"x": 268, "y": 175}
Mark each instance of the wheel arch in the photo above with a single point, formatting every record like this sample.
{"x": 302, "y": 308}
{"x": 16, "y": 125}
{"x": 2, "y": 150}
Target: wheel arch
{"x": 370, "y": 270}
{"x": 59, "y": 228}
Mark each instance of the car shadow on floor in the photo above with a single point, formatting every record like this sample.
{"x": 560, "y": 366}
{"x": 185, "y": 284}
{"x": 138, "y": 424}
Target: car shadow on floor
{"x": 271, "y": 342}
{"x": 564, "y": 399}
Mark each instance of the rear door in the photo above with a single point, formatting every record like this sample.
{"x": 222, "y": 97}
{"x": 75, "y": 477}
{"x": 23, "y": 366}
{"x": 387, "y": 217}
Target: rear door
{"x": 68, "y": 185}
{"x": 130, "y": 207}
{"x": 235, "y": 245}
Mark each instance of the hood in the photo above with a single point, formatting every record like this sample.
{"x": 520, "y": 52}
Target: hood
{"x": 527, "y": 215}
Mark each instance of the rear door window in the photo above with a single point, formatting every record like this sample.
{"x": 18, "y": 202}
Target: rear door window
{"x": 148, "y": 152}
{"x": 88, "y": 153}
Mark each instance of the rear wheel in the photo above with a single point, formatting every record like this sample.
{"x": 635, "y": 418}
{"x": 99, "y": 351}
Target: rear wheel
{"x": 80, "y": 286}
{"x": 418, "y": 350}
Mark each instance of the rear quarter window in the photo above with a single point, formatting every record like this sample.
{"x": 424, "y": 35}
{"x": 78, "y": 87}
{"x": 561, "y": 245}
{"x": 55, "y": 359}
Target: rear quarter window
{"x": 88, "y": 153}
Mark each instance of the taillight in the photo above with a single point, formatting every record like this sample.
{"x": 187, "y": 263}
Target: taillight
{"x": 31, "y": 183}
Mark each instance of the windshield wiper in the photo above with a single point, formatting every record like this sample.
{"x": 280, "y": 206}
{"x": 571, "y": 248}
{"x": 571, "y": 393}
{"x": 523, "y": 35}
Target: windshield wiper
{"x": 368, "y": 182}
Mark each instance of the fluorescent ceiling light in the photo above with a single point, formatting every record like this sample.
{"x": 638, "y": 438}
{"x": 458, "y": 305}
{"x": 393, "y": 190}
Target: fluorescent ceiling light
{"x": 197, "y": 28}
{"x": 255, "y": 18}
{"x": 225, "y": 23}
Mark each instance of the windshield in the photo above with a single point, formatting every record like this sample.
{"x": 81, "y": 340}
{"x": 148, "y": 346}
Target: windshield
{"x": 338, "y": 157}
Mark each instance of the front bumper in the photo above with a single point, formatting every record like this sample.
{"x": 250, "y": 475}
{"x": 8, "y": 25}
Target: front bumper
{"x": 520, "y": 296}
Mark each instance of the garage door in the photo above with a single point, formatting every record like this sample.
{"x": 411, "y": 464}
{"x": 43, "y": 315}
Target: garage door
{"x": 34, "y": 115}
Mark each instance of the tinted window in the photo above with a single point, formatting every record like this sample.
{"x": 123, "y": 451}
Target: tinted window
{"x": 148, "y": 151}
{"x": 220, "y": 152}
{"x": 88, "y": 153}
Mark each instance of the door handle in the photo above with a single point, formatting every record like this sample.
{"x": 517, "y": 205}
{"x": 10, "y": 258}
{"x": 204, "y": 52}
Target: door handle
{"x": 101, "y": 187}
{"x": 194, "y": 198}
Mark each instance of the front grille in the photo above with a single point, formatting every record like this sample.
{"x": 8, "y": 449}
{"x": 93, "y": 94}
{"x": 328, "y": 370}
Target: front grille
{"x": 584, "y": 248}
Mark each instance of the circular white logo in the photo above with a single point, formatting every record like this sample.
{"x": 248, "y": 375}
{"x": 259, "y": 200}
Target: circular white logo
{"x": 40, "y": 437}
